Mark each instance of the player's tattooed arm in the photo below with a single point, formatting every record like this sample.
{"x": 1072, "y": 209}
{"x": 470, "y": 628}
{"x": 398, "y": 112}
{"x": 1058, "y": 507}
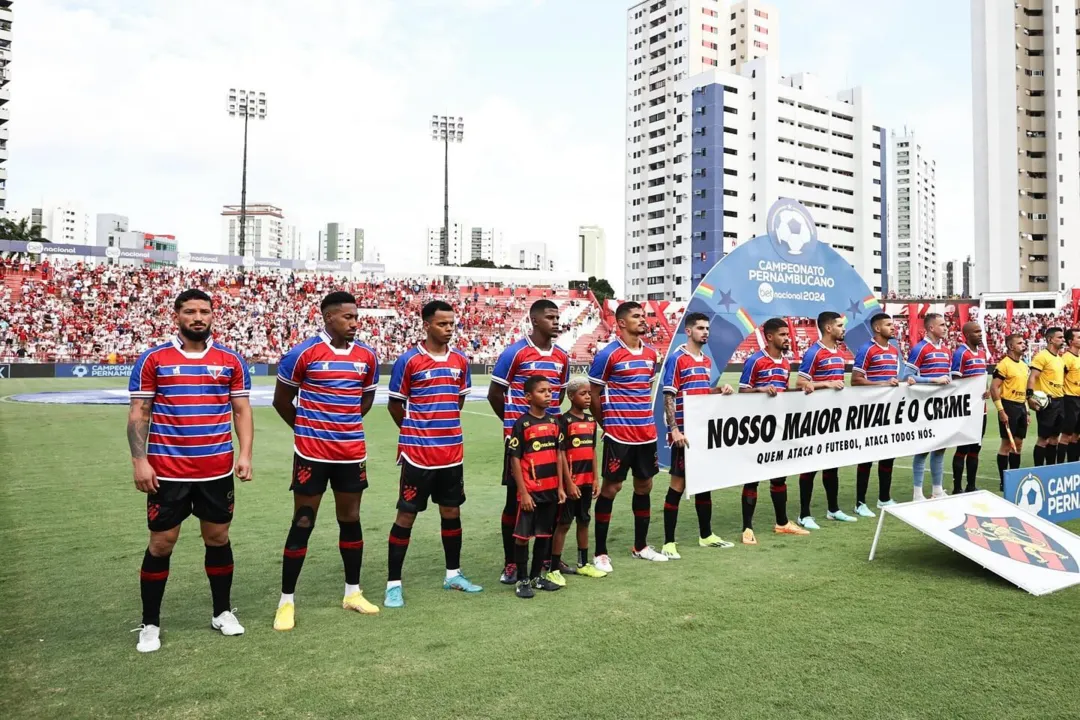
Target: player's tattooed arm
{"x": 669, "y": 409}
{"x": 138, "y": 426}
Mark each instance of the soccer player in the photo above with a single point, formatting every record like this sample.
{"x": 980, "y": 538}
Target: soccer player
{"x": 1070, "y": 432}
{"x": 1007, "y": 391}
{"x": 534, "y": 354}
{"x": 822, "y": 368}
{"x": 876, "y": 363}
{"x": 428, "y": 387}
{"x": 969, "y": 360}
{"x": 1048, "y": 375}
{"x": 185, "y": 396}
{"x": 766, "y": 371}
{"x": 333, "y": 379}
{"x": 687, "y": 371}
{"x": 534, "y": 462}
{"x": 577, "y": 458}
{"x": 621, "y": 375}
{"x": 929, "y": 363}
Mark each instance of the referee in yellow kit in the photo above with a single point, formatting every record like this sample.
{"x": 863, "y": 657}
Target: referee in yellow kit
{"x": 1048, "y": 375}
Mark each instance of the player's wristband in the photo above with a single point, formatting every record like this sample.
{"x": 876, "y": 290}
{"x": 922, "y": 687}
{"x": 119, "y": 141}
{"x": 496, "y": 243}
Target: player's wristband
{"x": 1030, "y": 392}
{"x": 997, "y": 404}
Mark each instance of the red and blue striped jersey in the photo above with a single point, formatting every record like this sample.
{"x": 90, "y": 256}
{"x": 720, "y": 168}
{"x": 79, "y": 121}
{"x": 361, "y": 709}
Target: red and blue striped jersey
{"x": 968, "y": 363}
{"x": 518, "y": 363}
{"x": 332, "y": 381}
{"x": 626, "y": 376}
{"x": 762, "y": 370}
{"x": 878, "y": 363}
{"x": 820, "y": 364}
{"x": 431, "y": 387}
{"x": 685, "y": 374}
{"x": 929, "y": 360}
{"x": 191, "y": 416}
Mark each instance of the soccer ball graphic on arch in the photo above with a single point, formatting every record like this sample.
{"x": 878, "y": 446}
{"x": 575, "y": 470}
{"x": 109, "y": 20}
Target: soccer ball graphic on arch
{"x": 792, "y": 229}
{"x": 1030, "y": 495}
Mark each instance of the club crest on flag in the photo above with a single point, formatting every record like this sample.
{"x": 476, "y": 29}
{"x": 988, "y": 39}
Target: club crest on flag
{"x": 1015, "y": 539}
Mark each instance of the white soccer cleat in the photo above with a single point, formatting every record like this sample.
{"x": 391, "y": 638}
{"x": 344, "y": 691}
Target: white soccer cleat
{"x": 939, "y": 492}
{"x": 227, "y": 623}
{"x": 149, "y": 638}
{"x": 648, "y": 553}
{"x": 602, "y": 563}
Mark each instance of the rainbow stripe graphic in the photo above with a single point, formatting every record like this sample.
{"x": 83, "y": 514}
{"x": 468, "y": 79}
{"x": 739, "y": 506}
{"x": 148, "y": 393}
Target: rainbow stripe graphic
{"x": 705, "y": 291}
{"x": 746, "y": 321}
{"x": 870, "y": 303}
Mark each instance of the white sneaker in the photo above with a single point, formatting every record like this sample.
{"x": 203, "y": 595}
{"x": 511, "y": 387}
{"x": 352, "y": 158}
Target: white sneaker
{"x": 648, "y": 553}
{"x": 148, "y": 638}
{"x": 918, "y": 495}
{"x": 227, "y": 623}
{"x": 602, "y": 563}
{"x": 939, "y": 492}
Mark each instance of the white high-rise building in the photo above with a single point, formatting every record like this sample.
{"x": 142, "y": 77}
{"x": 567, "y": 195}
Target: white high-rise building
{"x": 487, "y": 244}
{"x": 458, "y": 248}
{"x": 6, "y": 19}
{"x": 667, "y": 42}
{"x": 340, "y": 243}
{"x": 531, "y": 256}
{"x": 61, "y": 222}
{"x": 1026, "y": 144}
{"x": 292, "y": 243}
{"x": 913, "y": 258}
{"x": 264, "y": 231}
{"x": 592, "y": 251}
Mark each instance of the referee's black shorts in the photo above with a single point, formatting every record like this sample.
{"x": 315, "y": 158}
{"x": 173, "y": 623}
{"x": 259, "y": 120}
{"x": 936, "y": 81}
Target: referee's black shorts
{"x": 1072, "y": 415}
{"x": 1018, "y": 420}
{"x": 1051, "y": 418}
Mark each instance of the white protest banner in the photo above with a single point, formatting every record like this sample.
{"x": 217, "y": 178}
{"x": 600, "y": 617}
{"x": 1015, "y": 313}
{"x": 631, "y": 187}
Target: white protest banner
{"x": 751, "y": 437}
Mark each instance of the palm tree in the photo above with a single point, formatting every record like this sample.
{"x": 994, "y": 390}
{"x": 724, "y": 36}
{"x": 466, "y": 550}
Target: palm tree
{"x": 21, "y": 231}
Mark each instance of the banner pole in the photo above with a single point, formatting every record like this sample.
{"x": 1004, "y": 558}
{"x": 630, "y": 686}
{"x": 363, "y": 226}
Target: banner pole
{"x": 877, "y": 534}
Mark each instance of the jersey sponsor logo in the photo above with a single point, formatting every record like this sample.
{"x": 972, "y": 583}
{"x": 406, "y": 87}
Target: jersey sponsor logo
{"x": 513, "y": 442}
{"x": 5, "y": 372}
{"x": 576, "y": 442}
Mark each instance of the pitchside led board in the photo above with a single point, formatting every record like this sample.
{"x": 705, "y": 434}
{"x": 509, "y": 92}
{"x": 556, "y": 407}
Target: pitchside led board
{"x": 1050, "y": 491}
{"x": 785, "y": 273}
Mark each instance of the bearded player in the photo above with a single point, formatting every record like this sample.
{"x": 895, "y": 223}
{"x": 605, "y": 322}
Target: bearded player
{"x": 1007, "y": 389}
{"x": 687, "y": 371}
{"x": 969, "y": 360}
{"x": 333, "y": 379}
{"x": 876, "y": 363}
{"x": 766, "y": 372}
{"x": 929, "y": 363}
{"x": 1048, "y": 376}
{"x": 536, "y": 354}
{"x": 185, "y": 396}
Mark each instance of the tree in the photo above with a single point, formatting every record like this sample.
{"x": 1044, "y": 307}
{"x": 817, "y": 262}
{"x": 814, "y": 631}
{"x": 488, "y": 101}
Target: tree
{"x": 21, "y": 231}
{"x": 479, "y": 263}
{"x": 601, "y": 288}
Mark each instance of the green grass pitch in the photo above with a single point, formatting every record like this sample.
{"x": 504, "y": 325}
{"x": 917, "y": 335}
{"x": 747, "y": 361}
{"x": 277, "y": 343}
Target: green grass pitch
{"x": 793, "y": 628}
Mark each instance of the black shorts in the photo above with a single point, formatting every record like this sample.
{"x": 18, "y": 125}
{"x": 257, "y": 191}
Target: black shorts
{"x": 638, "y": 460}
{"x": 507, "y": 473}
{"x": 1051, "y": 419}
{"x": 577, "y": 509}
{"x": 310, "y": 477}
{"x": 678, "y": 462}
{"x": 1018, "y": 420}
{"x": 445, "y": 487}
{"x": 538, "y": 523}
{"x": 1072, "y": 415}
{"x": 209, "y": 500}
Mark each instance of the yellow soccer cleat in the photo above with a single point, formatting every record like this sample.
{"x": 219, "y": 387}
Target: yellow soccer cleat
{"x": 748, "y": 537}
{"x": 285, "y": 617}
{"x": 356, "y": 601}
{"x": 589, "y": 570}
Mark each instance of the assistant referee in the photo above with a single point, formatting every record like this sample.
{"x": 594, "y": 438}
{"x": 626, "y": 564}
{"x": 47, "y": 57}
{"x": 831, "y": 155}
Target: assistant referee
{"x": 1008, "y": 390}
{"x": 1048, "y": 375}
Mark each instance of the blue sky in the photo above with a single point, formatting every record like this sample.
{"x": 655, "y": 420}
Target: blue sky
{"x": 119, "y": 105}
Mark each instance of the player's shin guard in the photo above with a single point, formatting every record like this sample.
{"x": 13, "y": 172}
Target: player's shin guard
{"x": 778, "y": 493}
{"x": 884, "y": 478}
{"x": 703, "y": 507}
{"x": 541, "y": 554}
{"x": 351, "y": 545}
{"x": 640, "y": 505}
{"x": 509, "y": 517}
{"x": 1062, "y": 452}
{"x": 451, "y": 542}
{"x": 603, "y": 521}
{"x": 831, "y": 480}
{"x": 1003, "y": 465}
{"x": 219, "y": 571}
{"x": 806, "y": 493}
{"x": 671, "y": 514}
{"x": 749, "y": 502}
{"x": 152, "y": 578}
{"x": 1014, "y": 461}
{"x": 862, "y": 482}
{"x": 1039, "y": 455}
{"x": 958, "y": 460}
{"x": 972, "y": 463}
{"x": 521, "y": 557}
{"x": 296, "y": 548}
{"x": 399, "y": 545}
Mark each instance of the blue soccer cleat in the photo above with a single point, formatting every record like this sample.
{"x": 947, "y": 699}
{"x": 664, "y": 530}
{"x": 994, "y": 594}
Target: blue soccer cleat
{"x": 460, "y": 582}
{"x": 394, "y": 598}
